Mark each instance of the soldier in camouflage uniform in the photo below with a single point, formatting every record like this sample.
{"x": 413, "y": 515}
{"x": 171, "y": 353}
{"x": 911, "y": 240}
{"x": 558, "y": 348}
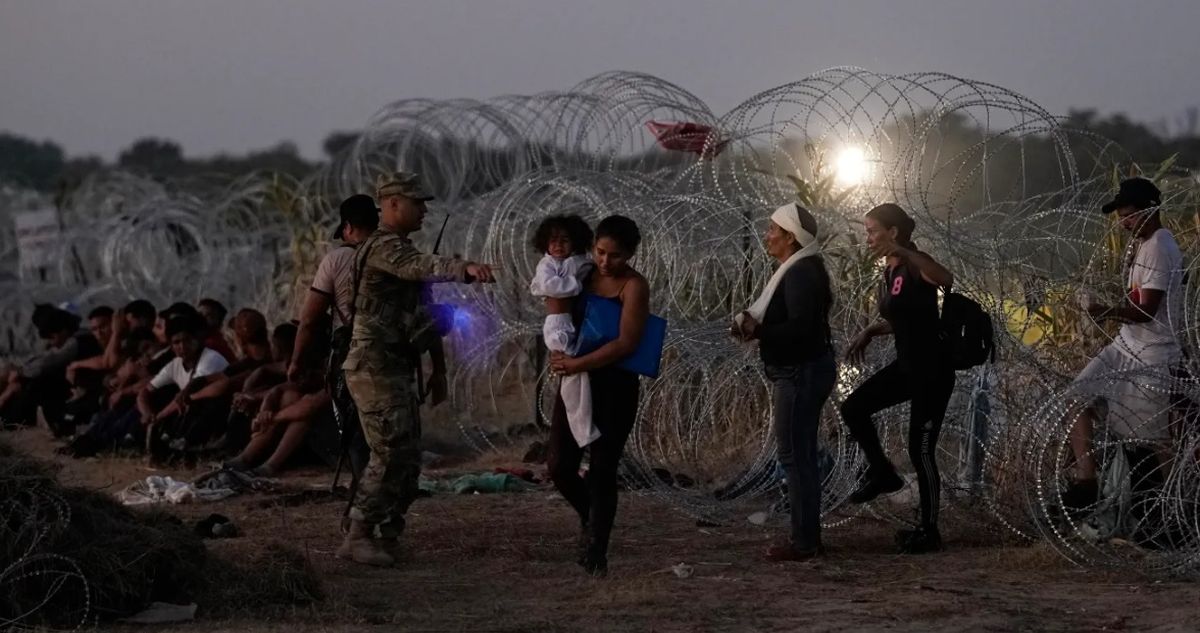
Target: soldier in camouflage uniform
{"x": 391, "y": 330}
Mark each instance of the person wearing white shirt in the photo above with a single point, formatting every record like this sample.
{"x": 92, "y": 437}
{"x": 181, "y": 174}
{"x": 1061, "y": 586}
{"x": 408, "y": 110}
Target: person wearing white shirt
{"x": 1136, "y": 406}
{"x": 192, "y": 361}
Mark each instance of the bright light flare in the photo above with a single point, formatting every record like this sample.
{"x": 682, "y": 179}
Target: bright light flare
{"x": 851, "y": 167}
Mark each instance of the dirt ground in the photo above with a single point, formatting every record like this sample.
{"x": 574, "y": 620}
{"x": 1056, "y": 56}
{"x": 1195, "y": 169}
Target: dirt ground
{"x": 503, "y": 562}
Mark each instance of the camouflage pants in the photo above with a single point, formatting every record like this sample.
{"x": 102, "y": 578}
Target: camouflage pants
{"x": 387, "y": 405}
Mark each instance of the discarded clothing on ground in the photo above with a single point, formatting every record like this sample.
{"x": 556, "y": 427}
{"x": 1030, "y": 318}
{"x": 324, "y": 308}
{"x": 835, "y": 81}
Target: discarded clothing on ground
{"x": 155, "y": 489}
{"x": 237, "y": 480}
{"x": 518, "y": 472}
{"x": 214, "y": 486}
{"x": 481, "y": 483}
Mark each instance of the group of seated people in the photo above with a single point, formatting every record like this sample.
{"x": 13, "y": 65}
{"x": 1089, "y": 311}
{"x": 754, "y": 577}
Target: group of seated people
{"x": 169, "y": 383}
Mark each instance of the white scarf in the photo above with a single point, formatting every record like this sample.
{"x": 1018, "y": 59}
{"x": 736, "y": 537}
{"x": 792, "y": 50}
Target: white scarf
{"x": 788, "y": 218}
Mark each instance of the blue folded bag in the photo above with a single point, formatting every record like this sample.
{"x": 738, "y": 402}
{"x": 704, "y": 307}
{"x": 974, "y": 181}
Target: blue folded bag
{"x": 602, "y": 324}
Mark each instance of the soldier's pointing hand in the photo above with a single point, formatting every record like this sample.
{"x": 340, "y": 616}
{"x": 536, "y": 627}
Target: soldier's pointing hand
{"x": 481, "y": 273}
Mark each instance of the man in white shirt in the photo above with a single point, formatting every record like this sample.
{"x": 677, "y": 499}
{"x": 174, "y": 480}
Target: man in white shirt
{"x": 192, "y": 361}
{"x": 1137, "y": 405}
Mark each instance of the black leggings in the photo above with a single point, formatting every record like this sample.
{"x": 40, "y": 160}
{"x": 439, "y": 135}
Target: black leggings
{"x": 930, "y": 390}
{"x": 614, "y": 410}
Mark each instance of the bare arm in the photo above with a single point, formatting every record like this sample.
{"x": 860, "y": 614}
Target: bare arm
{"x": 857, "y": 348}
{"x": 315, "y": 306}
{"x": 931, "y": 271}
{"x": 10, "y": 391}
{"x": 112, "y": 351}
{"x": 303, "y": 409}
{"x": 143, "y": 404}
{"x": 274, "y": 396}
{"x": 218, "y": 385}
{"x": 262, "y": 378}
{"x": 98, "y": 363}
{"x": 878, "y": 328}
{"x": 1149, "y": 301}
{"x": 437, "y": 357}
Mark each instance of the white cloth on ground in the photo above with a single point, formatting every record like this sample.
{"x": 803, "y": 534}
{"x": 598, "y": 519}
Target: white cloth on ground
{"x": 156, "y": 489}
{"x": 562, "y": 279}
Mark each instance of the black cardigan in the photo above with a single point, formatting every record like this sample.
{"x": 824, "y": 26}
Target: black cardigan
{"x": 795, "y": 327}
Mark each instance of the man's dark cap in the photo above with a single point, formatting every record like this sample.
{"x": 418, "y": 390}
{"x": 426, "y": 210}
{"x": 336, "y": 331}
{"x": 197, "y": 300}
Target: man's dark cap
{"x": 359, "y": 211}
{"x": 1139, "y": 193}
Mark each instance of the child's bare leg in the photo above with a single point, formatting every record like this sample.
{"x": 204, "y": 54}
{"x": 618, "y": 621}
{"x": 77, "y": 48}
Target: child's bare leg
{"x": 558, "y": 306}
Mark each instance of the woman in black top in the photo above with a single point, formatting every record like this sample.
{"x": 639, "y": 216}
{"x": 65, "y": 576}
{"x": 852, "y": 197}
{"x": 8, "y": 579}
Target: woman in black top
{"x": 615, "y": 394}
{"x": 920, "y": 373}
{"x": 797, "y": 355}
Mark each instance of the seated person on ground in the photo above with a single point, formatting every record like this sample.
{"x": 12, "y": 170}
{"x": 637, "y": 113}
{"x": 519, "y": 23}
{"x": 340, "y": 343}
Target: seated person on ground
{"x": 88, "y": 376}
{"x": 250, "y": 327}
{"x": 247, "y": 388}
{"x": 42, "y": 382}
{"x": 214, "y": 314}
{"x": 287, "y": 412}
{"x": 139, "y": 314}
{"x": 134, "y": 316}
{"x": 101, "y": 325}
{"x": 117, "y": 423}
{"x": 193, "y": 363}
{"x": 283, "y": 340}
{"x": 138, "y": 353}
{"x": 165, "y": 355}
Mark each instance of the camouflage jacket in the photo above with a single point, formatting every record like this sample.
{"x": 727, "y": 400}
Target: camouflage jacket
{"x": 390, "y": 320}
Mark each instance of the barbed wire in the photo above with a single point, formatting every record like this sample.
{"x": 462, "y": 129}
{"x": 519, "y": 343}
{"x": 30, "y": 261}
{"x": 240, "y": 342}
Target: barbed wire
{"x": 1002, "y": 192}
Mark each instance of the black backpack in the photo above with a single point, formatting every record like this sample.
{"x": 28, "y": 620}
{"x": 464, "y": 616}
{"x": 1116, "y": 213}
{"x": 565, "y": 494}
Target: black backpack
{"x": 967, "y": 332}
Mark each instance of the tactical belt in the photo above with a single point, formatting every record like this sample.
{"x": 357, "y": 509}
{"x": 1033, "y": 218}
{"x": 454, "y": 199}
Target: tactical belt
{"x": 385, "y": 310}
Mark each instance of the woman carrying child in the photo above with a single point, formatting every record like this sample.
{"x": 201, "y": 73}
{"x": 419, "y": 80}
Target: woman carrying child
{"x": 614, "y": 393}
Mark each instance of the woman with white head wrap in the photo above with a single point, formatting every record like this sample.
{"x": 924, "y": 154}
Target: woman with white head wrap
{"x": 790, "y": 321}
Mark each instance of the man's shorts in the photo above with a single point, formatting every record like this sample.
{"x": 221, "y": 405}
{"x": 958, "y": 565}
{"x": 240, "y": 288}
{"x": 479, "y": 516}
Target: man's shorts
{"x": 1133, "y": 397}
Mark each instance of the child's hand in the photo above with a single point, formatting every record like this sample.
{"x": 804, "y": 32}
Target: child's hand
{"x": 564, "y": 365}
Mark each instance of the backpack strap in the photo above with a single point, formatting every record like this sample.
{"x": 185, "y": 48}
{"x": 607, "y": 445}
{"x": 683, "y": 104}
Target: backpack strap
{"x": 360, "y": 265}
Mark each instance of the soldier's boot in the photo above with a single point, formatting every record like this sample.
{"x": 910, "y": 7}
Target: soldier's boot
{"x": 389, "y": 536}
{"x": 361, "y": 548}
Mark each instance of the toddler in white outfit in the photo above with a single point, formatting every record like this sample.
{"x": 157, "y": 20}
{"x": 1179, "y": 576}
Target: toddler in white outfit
{"x": 559, "y": 280}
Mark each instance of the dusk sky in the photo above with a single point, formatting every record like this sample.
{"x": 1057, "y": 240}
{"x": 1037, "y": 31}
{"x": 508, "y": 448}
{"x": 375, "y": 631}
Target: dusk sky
{"x": 232, "y": 75}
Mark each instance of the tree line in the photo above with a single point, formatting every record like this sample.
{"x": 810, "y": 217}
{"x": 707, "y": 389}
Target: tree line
{"x": 44, "y": 166}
